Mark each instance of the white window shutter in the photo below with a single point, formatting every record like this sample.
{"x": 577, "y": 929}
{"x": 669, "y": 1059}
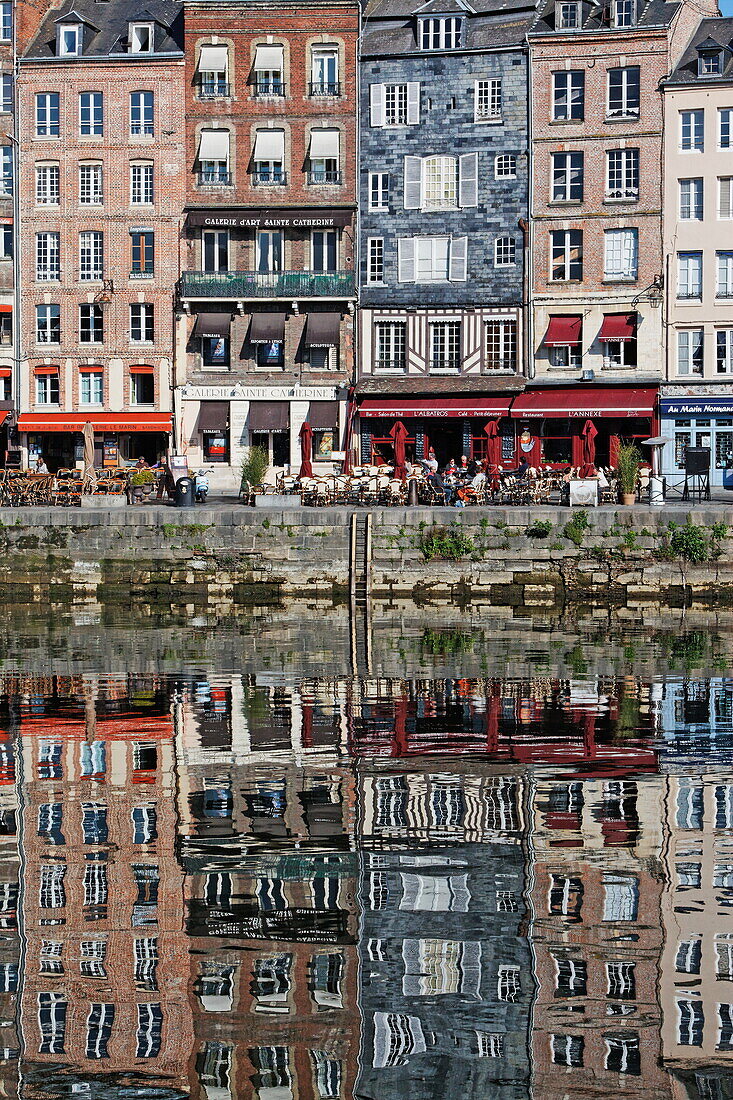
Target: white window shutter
{"x": 458, "y": 269}
{"x": 376, "y": 104}
{"x": 406, "y": 260}
{"x": 468, "y": 179}
{"x": 413, "y": 183}
{"x": 413, "y": 103}
{"x": 726, "y": 190}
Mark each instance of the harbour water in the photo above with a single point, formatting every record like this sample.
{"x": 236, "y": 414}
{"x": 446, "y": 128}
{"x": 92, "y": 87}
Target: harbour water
{"x": 424, "y": 856}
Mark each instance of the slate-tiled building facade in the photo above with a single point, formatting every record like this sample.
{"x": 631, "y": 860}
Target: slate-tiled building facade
{"x": 443, "y": 203}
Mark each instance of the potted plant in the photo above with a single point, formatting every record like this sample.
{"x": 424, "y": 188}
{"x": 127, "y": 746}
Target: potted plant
{"x": 140, "y": 484}
{"x": 629, "y": 459}
{"x": 254, "y": 468}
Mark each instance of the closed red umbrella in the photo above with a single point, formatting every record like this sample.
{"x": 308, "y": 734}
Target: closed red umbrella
{"x": 399, "y": 435}
{"x": 306, "y": 447}
{"x": 589, "y": 434}
{"x": 493, "y": 449}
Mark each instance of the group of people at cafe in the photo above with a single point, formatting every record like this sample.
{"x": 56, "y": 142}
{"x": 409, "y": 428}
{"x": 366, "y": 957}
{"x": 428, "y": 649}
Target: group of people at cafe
{"x": 461, "y": 482}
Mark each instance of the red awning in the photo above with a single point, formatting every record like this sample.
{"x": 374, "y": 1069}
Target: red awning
{"x": 436, "y": 406}
{"x": 621, "y": 401}
{"x": 45, "y": 370}
{"x": 6, "y": 372}
{"x": 142, "y": 368}
{"x": 6, "y": 309}
{"x": 618, "y": 326}
{"x": 102, "y": 422}
{"x": 564, "y": 332}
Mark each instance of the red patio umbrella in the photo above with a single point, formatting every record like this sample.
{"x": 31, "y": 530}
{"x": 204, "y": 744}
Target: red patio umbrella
{"x": 306, "y": 446}
{"x": 589, "y": 434}
{"x": 399, "y": 435}
{"x": 493, "y": 449}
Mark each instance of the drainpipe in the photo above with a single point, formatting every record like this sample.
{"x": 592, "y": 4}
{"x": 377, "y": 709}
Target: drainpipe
{"x": 528, "y": 328}
{"x": 17, "y": 297}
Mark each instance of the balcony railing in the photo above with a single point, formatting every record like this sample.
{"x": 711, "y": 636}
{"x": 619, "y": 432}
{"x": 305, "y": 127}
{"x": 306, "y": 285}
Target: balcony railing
{"x": 445, "y": 366}
{"x": 269, "y": 179}
{"x": 267, "y": 284}
{"x": 214, "y": 89}
{"x": 215, "y": 178}
{"x": 320, "y": 178}
{"x": 269, "y": 88}
{"x": 393, "y": 366}
{"x": 324, "y": 87}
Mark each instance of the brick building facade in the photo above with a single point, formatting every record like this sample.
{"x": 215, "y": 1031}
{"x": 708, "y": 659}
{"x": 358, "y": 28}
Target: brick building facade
{"x": 101, "y": 189}
{"x": 265, "y": 307}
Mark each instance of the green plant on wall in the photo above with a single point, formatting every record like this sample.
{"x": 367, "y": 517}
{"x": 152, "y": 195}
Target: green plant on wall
{"x": 575, "y": 529}
{"x": 445, "y": 542}
{"x": 255, "y": 465}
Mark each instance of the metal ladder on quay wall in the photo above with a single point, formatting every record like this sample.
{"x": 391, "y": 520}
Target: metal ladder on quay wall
{"x": 360, "y": 560}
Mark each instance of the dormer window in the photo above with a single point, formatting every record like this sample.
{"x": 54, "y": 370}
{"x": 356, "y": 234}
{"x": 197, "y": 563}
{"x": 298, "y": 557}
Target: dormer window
{"x": 141, "y": 37}
{"x": 567, "y": 16}
{"x": 624, "y": 13}
{"x": 441, "y": 32}
{"x": 710, "y": 63}
{"x": 69, "y": 39}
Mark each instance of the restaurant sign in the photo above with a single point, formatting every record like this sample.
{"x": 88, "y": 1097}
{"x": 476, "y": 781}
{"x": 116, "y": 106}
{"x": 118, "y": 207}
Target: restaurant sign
{"x": 269, "y": 218}
{"x": 692, "y": 406}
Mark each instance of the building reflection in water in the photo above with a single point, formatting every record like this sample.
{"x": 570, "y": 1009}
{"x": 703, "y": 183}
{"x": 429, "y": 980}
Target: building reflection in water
{"x": 233, "y": 886}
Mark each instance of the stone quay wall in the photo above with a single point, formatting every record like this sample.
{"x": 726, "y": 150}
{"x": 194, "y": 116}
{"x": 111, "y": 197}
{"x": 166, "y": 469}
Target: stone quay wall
{"x": 544, "y": 557}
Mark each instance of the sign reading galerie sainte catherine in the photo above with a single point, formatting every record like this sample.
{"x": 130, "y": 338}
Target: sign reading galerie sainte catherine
{"x": 271, "y": 218}
{"x": 262, "y": 393}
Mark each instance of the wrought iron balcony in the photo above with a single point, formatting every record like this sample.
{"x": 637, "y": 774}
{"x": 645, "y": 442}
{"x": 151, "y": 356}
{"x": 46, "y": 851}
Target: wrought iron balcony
{"x": 267, "y": 284}
{"x": 263, "y": 88}
{"x": 214, "y": 89}
{"x": 324, "y": 88}
{"x": 268, "y": 178}
{"x": 320, "y": 178}
{"x": 392, "y": 366}
{"x": 214, "y": 178}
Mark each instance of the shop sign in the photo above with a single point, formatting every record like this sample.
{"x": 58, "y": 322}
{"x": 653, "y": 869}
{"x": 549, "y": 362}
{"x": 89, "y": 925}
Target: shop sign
{"x": 691, "y": 407}
{"x": 268, "y": 218}
{"x": 261, "y": 393}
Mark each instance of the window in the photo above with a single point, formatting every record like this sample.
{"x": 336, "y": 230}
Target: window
{"x": 723, "y": 806}
{"x": 6, "y": 93}
{"x": 725, "y": 197}
{"x": 378, "y": 190}
{"x": 215, "y": 250}
{"x": 6, "y": 170}
{"x": 142, "y": 387}
{"x": 394, "y": 104}
{"x": 690, "y": 351}
{"x": 501, "y": 346}
{"x": 142, "y": 241}
{"x": 324, "y": 250}
{"x": 692, "y": 131}
{"x": 141, "y": 114}
{"x": 424, "y": 259}
{"x": 48, "y": 264}
{"x": 568, "y": 94}
{"x": 487, "y": 100}
{"x": 621, "y": 897}
{"x": 709, "y": 63}
{"x": 689, "y": 274}
{"x": 564, "y": 357}
{"x": 95, "y": 886}
{"x": 48, "y": 324}
{"x": 440, "y": 33}
{"x": 571, "y": 978}
{"x": 441, "y": 183}
{"x": 50, "y": 817}
{"x": 47, "y": 184}
{"x": 47, "y": 389}
{"x": 91, "y": 255}
{"x": 91, "y": 388}
{"x": 725, "y": 1028}
{"x": 325, "y": 72}
{"x": 93, "y": 759}
{"x": 99, "y": 1029}
{"x": 623, "y": 1054}
{"x": 566, "y": 897}
{"x": 68, "y": 40}
{"x": 141, "y": 38}
{"x": 328, "y": 1074}
{"x": 620, "y": 254}
{"x": 566, "y": 255}
{"x": 94, "y": 820}
{"x": 214, "y": 1066}
{"x": 622, "y": 174}
{"x": 621, "y": 977}
{"x": 91, "y": 323}
{"x": 623, "y": 93}
{"x": 567, "y": 15}
{"x": 52, "y": 894}
{"x": 47, "y": 115}
{"x": 213, "y": 71}
{"x": 149, "y": 1029}
{"x": 445, "y": 346}
{"x": 323, "y": 157}
{"x": 505, "y": 252}
{"x": 691, "y": 200}
{"x": 142, "y": 326}
{"x": 91, "y": 122}
{"x": 145, "y": 824}
{"x": 691, "y": 1023}
{"x": 6, "y": 242}
{"x": 51, "y": 1008}
{"x": 567, "y": 177}
{"x": 146, "y": 963}
{"x": 624, "y": 13}
{"x": 567, "y": 1050}
{"x": 688, "y": 957}
{"x": 725, "y": 115}
{"x": 141, "y": 184}
{"x": 508, "y": 986}
{"x": 6, "y": 22}
{"x": 724, "y": 275}
{"x": 505, "y": 166}
{"x": 375, "y": 260}
{"x": 390, "y": 339}
{"x": 90, "y": 184}
{"x": 724, "y": 351}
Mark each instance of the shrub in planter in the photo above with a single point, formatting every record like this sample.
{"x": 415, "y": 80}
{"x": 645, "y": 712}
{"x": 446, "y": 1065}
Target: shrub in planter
{"x": 141, "y": 478}
{"x": 629, "y": 460}
{"x": 254, "y": 466}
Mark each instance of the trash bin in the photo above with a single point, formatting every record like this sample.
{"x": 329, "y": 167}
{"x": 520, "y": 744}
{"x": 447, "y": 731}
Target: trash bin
{"x": 728, "y": 477}
{"x": 183, "y": 497}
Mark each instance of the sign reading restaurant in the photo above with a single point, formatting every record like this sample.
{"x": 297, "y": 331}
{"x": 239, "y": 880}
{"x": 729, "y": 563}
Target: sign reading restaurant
{"x": 270, "y": 218}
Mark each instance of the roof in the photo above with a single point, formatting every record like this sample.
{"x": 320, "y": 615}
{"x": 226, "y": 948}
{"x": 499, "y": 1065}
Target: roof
{"x": 106, "y": 28}
{"x": 391, "y": 25}
{"x": 711, "y": 34}
{"x": 400, "y": 387}
{"x": 653, "y": 13}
